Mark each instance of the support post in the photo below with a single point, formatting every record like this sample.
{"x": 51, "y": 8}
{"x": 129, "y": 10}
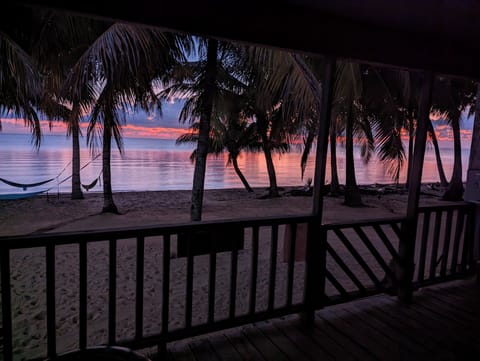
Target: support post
{"x": 472, "y": 189}
{"x": 409, "y": 227}
{"x": 316, "y": 237}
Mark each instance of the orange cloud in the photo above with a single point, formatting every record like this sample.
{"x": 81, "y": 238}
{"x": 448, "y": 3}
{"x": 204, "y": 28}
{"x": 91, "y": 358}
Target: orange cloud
{"x": 135, "y": 131}
{"x": 58, "y": 127}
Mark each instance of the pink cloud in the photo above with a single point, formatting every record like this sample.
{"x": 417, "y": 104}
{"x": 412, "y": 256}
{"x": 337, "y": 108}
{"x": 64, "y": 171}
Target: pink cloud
{"x": 57, "y": 127}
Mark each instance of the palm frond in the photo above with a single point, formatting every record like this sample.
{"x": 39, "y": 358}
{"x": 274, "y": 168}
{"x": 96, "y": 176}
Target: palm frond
{"x": 19, "y": 85}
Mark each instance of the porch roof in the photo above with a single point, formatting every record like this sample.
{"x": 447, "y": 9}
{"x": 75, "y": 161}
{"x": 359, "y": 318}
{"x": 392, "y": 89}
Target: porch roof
{"x": 440, "y": 35}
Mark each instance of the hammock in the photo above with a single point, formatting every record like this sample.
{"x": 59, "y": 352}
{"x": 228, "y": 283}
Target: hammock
{"x": 25, "y": 186}
{"x": 21, "y": 195}
{"x": 87, "y": 187}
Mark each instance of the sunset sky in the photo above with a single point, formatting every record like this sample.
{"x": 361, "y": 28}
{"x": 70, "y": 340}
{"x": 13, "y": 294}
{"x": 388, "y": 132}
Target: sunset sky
{"x": 139, "y": 124}
{"x": 167, "y": 126}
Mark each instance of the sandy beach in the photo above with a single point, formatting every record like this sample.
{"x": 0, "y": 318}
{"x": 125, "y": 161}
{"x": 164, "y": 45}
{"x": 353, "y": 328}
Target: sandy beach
{"x": 60, "y": 214}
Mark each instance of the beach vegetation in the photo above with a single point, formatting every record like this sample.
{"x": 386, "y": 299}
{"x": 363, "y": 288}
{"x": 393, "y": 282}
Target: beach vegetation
{"x": 122, "y": 67}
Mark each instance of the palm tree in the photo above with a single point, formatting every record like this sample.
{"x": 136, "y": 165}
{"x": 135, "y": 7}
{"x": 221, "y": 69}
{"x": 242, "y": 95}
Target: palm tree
{"x": 59, "y": 45}
{"x": 206, "y": 100}
{"x": 286, "y": 83}
{"x": 206, "y": 83}
{"x": 120, "y": 66}
{"x": 348, "y": 106}
{"x": 285, "y": 101}
{"x": 451, "y": 98}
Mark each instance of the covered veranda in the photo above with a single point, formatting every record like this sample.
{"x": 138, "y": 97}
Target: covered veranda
{"x": 431, "y": 245}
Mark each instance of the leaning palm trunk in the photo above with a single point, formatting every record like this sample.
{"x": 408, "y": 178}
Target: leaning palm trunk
{"x": 204, "y": 133}
{"x": 240, "y": 174}
{"x": 108, "y": 203}
{"x": 441, "y": 173}
{"x": 352, "y": 193}
{"x": 455, "y": 189}
{"x": 75, "y": 130}
{"x": 335, "y": 184}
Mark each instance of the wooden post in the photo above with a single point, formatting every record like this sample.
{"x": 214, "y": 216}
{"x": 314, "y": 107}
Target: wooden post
{"x": 316, "y": 238}
{"x": 409, "y": 226}
{"x": 472, "y": 190}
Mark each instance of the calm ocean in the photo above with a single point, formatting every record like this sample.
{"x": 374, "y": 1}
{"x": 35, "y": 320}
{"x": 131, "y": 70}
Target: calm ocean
{"x": 156, "y": 164}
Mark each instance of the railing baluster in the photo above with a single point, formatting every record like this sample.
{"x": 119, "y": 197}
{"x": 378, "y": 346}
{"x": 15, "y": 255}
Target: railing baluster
{"x": 83, "y": 295}
{"x": 446, "y": 243}
{"x": 375, "y": 253}
{"x": 423, "y": 246}
{"x": 291, "y": 262}
{"x": 6, "y": 304}
{"x": 253, "y": 282}
{"x": 211, "y": 281}
{"x": 459, "y": 227}
{"x": 189, "y": 289}
{"x": 51, "y": 318}
{"x": 165, "y": 290}
{"x": 396, "y": 229}
{"x": 357, "y": 257}
{"x": 273, "y": 268}
{"x": 139, "y": 288}
{"x": 336, "y": 283}
{"x": 345, "y": 268}
{"x": 386, "y": 241}
{"x": 112, "y": 292}
{"x": 233, "y": 282}
{"x": 468, "y": 241}
{"x": 436, "y": 237}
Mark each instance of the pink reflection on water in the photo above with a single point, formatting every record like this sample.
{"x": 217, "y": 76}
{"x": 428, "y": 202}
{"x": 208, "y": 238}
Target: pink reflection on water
{"x": 153, "y": 165}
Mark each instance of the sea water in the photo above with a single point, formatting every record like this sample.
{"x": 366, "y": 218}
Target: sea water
{"x": 161, "y": 164}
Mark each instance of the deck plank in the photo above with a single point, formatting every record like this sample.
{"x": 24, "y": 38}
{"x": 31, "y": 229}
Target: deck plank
{"x": 283, "y": 343}
{"x": 223, "y": 348}
{"x": 263, "y": 344}
{"x": 332, "y": 344}
{"x": 242, "y": 345}
{"x": 443, "y": 323}
{"x": 203, "y": 351}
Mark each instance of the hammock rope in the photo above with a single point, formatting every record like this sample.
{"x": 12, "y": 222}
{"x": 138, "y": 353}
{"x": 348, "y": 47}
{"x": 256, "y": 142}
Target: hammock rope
{"x": 82, "y": 168}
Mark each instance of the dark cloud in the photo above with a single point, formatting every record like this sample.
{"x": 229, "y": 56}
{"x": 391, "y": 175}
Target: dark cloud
{"x": 169, "y": 118}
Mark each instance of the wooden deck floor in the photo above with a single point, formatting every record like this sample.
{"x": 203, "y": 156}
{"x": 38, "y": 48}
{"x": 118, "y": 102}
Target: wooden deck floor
{"x": 442, "y": 324}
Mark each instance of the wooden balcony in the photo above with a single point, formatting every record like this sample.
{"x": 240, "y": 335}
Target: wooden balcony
{"x": 443, "y": 323}
{"x": 131, "y": 288}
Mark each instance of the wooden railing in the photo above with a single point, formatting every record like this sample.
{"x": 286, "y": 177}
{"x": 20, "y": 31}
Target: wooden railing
{"x": 445, "y": 243}
{"x": 148, "y": 286}
{"x": 193, "y": 283}
{"x": 361, "y": 258}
